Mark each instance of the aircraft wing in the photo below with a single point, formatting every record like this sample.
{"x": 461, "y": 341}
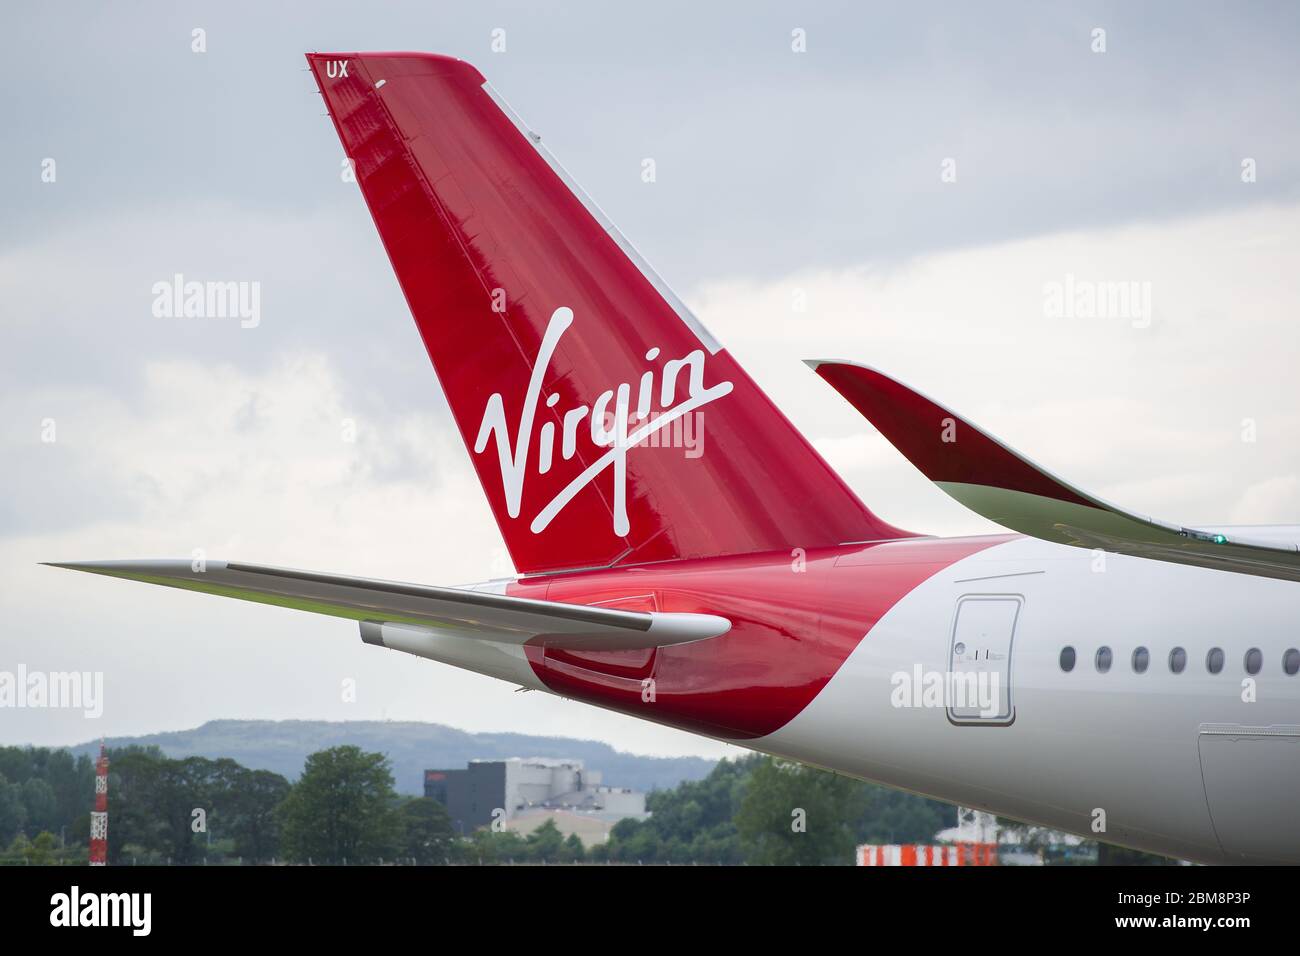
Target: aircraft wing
{"x": 467, "y": 613}
{"x": 1006, "y": 487}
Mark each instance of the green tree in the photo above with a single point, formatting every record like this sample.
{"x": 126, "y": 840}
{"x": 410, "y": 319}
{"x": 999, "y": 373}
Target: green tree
{"x": 793, "y": 814}
{"x": 73, "y": 780}
{"x": 40, "y": 852}
{"x": 18, "y": 849}
{"x": 545, "y": 843}
{"x": 134, "y": 783}
{"x": 486, "y": 846}
{"x": 572, "y": 851}
{"x": 342, "y": 809}
{"x": 691, "y": 823}
{"x": 41, "y": 803}
{"x": 894, "y": 816}
{"x": 426, "y": 829}
{"x": 249, "y": 805}
{"x": 635, "y": 841}
{"x": 13, "y": 812}
{"x": 152, "y": 800}
{"x": 70, "y": 779}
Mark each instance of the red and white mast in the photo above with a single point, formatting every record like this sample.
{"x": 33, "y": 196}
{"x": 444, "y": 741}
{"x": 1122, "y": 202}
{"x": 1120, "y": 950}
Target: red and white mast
{"x": 99, "y": 818}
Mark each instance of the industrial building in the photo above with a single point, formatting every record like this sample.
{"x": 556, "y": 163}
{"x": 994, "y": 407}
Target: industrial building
{"x": 485, "y": 790}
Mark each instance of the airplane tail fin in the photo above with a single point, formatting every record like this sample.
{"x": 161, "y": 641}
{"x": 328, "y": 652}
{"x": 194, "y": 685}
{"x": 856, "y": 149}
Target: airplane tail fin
{"x": 606, "y": 425}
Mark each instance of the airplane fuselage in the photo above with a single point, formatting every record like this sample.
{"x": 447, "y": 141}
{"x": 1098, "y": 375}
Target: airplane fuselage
{"x": 836, "y": 658}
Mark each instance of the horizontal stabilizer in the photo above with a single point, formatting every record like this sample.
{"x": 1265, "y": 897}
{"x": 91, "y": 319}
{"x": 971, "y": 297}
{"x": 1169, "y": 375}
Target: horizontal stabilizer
{"x": 994, "y": 481}
{"x": 466, "y": 613}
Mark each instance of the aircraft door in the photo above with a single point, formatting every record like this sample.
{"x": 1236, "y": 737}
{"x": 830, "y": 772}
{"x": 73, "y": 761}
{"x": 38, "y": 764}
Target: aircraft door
{"x": 983, "y": 633}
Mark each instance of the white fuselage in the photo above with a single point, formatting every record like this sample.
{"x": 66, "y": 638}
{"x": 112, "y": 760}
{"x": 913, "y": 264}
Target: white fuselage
{"x": 1197, "y": 765}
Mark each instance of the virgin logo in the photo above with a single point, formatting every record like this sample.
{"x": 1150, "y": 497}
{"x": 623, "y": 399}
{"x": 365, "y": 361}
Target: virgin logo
{"x": 607, "y": 426}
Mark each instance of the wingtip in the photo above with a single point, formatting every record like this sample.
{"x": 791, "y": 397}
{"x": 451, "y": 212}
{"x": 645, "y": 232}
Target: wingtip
{"x": 127, "y": 567}
{"x": 815, "y": 364}
{"x": 91, "y": 566}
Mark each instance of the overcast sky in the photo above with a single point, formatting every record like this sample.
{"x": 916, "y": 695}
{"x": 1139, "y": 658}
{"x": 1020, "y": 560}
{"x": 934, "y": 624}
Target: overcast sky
{"x": 778, "y": 173}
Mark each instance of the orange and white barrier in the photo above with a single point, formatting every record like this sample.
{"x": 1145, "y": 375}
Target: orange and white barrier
{"x": 920, "y": 854}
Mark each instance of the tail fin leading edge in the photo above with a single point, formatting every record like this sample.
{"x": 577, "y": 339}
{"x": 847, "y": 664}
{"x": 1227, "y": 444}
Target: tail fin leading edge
{"x": 605, "y": 424}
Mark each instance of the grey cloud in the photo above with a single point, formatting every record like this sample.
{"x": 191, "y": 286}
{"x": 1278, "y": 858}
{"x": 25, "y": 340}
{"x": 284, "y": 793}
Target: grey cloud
{"x": 766, "y": 158}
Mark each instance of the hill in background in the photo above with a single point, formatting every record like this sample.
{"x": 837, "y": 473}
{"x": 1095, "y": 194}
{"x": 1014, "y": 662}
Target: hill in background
{"x": 283, "y": 745}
